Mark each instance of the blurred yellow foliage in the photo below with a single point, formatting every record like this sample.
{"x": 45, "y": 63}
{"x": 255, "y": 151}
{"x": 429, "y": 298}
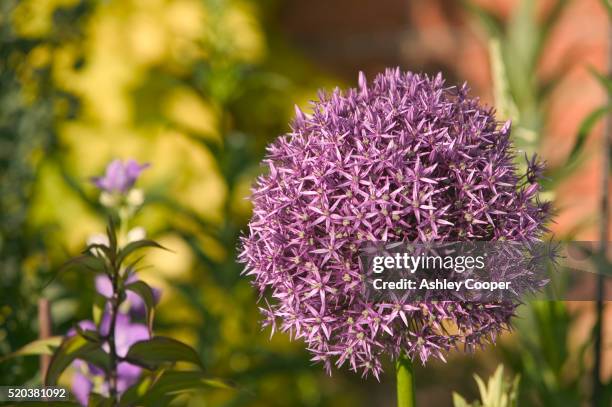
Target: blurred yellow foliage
{"x": 191, "y": 112}
{"x": 33, "y": 18}
{"x": 125, "y": 41}
{"x": 160, "y": 81}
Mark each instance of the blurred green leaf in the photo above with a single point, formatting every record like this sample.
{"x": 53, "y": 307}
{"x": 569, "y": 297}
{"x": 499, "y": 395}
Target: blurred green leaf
{"x": 497, "y": 392}
{"x": 174, "y": 383}
{"x": 544, "y": 357}
{"x": 459, "y": 401}
{"x": 608, "y": 6}
{"x": 72, "y": 348}
{"x": 99, "y": 305}
{"x": 96, "y": 250}
{"x": 585, "y": 130}
{"x": 97, "y": 400}
{"x": 88, "y": 261}
{"x": 603, "y": 80}
{"x": 551, "y": 20}
{"x": 39, "y": 347}
{"x": 146, "y": 293}
{"x": 88, "y": 334}
{"x": 132, "y": 265}
{"x": 98, "y": 357}
{"x": 154, "y": 352}
{"x": 503, "y": 97}
{"x": 85, "y": 261}
{"x": 133, "y": 394}
{"x": 493, "y": 24}
{"x": 134, "y": 246}
{"x": 111, "y": 233}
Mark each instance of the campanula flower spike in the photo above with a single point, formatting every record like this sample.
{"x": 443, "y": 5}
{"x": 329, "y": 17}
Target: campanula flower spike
{"x": 114, "y": 355}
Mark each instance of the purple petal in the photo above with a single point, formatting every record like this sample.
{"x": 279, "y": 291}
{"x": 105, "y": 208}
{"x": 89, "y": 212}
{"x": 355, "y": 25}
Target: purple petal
{"x": 104, "y": 285}
{"x": 127, "y": 374}
{"x": 85, "y": 325}
{"x": 81, "y": 387}
{"x": 127, "y": 335}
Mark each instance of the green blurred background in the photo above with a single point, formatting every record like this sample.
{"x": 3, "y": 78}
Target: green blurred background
{"x": 198, "y": 88}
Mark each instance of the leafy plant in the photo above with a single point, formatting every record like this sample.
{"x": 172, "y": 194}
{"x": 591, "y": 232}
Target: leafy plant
{"x": 555, "y": 375}
{"x": 518, "y": 45}
{"x": 28, "y": 119}
{"x": 135, "y": 365}
{"x": 497, "y": 392}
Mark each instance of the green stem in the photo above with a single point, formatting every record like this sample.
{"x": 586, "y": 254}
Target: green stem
{"x": 598, "y": 386}
{"x": 112, "y": 374}
{"x": 405, "y": 382}
{"x": 123, "y": 225}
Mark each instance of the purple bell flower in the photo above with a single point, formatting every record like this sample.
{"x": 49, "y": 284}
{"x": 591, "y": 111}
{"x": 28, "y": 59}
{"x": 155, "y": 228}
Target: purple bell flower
{"x": 120, "y": 176}
{"x": 126, "y": 334}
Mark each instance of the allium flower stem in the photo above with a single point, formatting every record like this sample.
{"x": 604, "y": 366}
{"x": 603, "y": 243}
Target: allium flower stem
{"x": 405, "y": 382}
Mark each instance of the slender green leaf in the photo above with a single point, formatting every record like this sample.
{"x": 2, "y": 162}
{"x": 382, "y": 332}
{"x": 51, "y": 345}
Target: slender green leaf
{"x": 99, "y": 305}
{"x": 459, "y": 401}
{"x": 603, "y": 80}
{"x": 137, "y": 245}
{"x": 521, "y": 51}
{"x": 86, "y": 261}
{"x": 584, "y": 131}
{"x": 132, "y": 265}
{"x": 146, "y": 293}
{"x": 71, "y": 348}
{"x": 175, "y": 383}
{"x": 96, "y": 250}
{"x": 88, "y": 334}
{"x": 97, "y": 400}
{"x": 552, "y": 19}
{"x": 608, "y": 6}
{"x": 99, "y": 358}
{"x": 39, "y": 347}
{"x": 131, "y": 396}
{"x": 111, "y": 232}
{"x": 504, "y": 103}
{"x": 493, "y": 24}
{"x": 513, "y": 392}
{"x": 482, "y": 388}
{"x": 154, "y": 352}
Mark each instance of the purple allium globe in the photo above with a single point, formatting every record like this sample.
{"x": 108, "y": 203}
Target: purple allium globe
{"x": 403, "y": 158}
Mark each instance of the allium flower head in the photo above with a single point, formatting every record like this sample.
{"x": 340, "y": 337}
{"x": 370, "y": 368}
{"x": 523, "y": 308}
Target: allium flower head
{"x": 403, "y": 158}
{"x": 120, "y": 176}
